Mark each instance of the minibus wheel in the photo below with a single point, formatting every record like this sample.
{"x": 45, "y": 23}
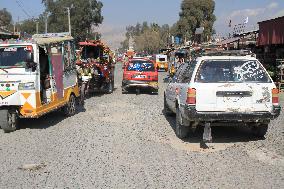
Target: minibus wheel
{"x": 8, "y": 120}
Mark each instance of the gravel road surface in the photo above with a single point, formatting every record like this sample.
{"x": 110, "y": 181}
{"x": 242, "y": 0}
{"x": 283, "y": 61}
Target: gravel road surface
{"x": 125, "y": 141}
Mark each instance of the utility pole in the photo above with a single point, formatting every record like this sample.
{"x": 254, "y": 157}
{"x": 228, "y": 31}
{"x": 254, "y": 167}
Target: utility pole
{"x": 69, "y": 17}
{"x": 36, "y": 27}
{"x": 45, "y": 22}
{"x": 69, "y": 21}
{"x": 18, "y": 23}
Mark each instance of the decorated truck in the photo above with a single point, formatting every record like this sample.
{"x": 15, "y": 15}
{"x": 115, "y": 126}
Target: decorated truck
{"x": 95, "y": 67}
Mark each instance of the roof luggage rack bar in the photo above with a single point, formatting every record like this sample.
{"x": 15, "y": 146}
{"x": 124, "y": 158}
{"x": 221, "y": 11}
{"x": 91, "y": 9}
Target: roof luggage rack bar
{"x": 228, "y": 53}
{"x": 48, "y": 35}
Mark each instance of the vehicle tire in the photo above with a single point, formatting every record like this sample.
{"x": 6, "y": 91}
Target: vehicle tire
{"x": 181, "y": 130}
{"x": 110, "y": 87}
{"x": 123, "y": 90}
{"x": 70, "y": 108}
{"x": 137, "y": 91}
{"x": 167, "y": 110}
{"x": 9, "y": 120}
{"x": 155, "y": 91}
{"x": 112, "y": 82}
{"x": 260, "y": 131}
{"x": 166, "y": 70}
{"x": 83, "y": 93}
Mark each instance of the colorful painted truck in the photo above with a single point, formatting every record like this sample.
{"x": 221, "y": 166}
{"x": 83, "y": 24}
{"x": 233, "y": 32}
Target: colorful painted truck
{"x": 95, "y": 67}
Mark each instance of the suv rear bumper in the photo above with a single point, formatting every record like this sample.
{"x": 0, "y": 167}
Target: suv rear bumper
{"x": 143, "y": 84}
{"x": 193, "y": 115}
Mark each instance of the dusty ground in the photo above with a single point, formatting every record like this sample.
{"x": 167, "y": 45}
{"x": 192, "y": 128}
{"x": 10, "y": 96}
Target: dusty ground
{"x": 125, "y": 141}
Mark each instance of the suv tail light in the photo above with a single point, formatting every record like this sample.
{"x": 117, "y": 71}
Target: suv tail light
{"x": 191, "y": 96}
{"x": 275, "y": 96}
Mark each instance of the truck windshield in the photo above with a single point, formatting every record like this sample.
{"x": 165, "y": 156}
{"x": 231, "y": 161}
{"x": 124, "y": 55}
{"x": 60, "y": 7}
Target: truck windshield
{"x": 92, "y": 52}
{"x": 214, "y": 71}
{"x": 141, "y": 66}
{"x": 13, "y": 56}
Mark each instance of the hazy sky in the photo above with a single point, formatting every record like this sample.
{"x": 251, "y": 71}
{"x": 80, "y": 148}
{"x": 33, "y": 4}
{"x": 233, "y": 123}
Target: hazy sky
{"x": 120, "y": 13}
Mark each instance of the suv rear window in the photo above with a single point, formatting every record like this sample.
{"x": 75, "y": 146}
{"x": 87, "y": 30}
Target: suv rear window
{"x": 162, "y": 59}
{"x": 214, "y": 71}
{"x": 141, "y": 66}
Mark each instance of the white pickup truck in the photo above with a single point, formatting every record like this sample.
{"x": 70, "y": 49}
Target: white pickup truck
{"x": 222, "y": 89}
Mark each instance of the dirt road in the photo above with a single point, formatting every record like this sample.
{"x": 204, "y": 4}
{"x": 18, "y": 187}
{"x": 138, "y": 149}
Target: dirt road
{"x": 125, "y": 141}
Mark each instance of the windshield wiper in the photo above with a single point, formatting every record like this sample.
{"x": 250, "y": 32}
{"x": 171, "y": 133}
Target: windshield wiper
{"x": 4, "y": 70}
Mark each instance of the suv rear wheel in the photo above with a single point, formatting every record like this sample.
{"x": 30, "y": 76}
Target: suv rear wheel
{"x": 167, "y": 110}
{"x": 181, "y": 130}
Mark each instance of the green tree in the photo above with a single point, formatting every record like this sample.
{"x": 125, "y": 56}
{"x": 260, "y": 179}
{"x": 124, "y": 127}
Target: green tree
{"x": 84, "y": 15}
{"x": 144, "y": 26}
{"x": 195, "y": 14}
{"x": 148, "y": 41}
{"x": 5, "y": 19}
{"x": 147, "y": 37}
{"x": 29, "y": 25}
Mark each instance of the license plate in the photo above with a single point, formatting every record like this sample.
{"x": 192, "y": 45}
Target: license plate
{"x": 140, "y": 76}
{"x": 154, "y": 84}
{"x": 232, "y": 99}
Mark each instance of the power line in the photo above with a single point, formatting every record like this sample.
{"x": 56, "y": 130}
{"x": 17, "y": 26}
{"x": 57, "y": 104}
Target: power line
{"x": 23, "y": 9}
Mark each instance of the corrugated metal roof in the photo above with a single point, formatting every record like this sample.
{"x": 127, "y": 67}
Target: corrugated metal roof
{"x": 271, "y": 32}
{"x": 227, "y": 41}
{"x": 274, "y": 19}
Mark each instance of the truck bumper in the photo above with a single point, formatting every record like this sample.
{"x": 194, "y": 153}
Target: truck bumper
{"x": 192, "y": 115}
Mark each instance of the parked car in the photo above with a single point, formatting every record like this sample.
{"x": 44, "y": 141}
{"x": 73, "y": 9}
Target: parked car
{"x": 140, "y": 73}
{"x": 222, "y": 89}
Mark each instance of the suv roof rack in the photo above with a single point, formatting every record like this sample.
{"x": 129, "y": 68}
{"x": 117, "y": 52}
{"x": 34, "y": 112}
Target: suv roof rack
{"x": 228, "y": 53}
{"x": 49, "y": 35}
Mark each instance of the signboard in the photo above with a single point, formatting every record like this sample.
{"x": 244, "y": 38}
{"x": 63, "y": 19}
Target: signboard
{"x": 177, "y": 40}
{"x": 173, "y": 39}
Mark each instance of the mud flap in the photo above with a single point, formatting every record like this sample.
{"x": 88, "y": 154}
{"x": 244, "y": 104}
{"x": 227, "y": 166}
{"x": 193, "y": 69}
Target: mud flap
{"x": 207, "y": 136}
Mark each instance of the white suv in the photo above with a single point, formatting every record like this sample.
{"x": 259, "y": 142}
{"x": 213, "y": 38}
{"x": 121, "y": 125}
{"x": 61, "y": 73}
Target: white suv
{"x": 222, "y": 89}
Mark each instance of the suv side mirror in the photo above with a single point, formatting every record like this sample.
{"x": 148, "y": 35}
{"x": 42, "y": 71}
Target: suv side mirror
{"x": 30, "y": 57}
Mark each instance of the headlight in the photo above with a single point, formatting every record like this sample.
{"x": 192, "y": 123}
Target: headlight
{"x": 27, "y": 86}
